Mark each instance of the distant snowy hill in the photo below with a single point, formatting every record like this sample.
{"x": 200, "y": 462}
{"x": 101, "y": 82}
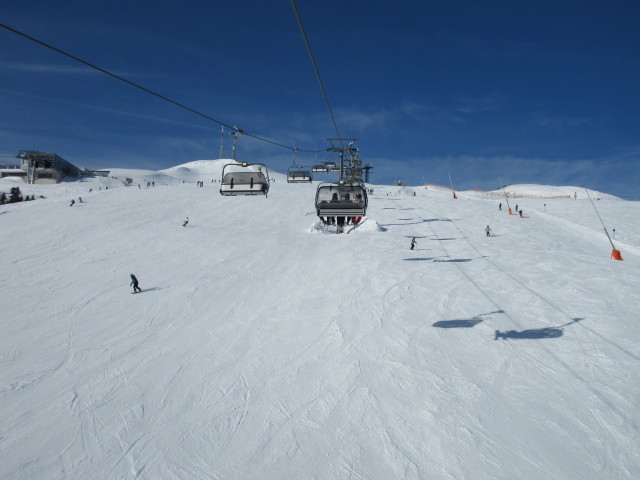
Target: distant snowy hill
{"x": 550, "y": 191}
{"x": 264, "y": 347}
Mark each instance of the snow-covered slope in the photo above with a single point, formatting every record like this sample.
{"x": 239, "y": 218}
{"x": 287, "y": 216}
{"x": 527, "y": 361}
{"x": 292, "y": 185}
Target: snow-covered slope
{"x": 553, "y": 191}
{"x": 263, "y": 348}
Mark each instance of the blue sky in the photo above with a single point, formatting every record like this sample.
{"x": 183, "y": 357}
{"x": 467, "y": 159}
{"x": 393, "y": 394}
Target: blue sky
{"x": 533, "y": 92}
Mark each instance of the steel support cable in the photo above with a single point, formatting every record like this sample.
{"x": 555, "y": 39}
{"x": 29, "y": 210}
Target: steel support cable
{"x": 151, "y": 92}
{"x": 315, "y": 67}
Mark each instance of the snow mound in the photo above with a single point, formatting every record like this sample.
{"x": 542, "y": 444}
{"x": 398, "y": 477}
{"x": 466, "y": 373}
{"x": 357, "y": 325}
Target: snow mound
{"x": 367, "y": 225}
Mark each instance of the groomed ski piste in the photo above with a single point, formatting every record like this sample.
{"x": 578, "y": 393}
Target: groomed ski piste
{"x": 264, "y": 346}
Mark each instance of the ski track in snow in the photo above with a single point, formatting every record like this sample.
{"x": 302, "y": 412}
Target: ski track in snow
{"x": 262, "y": 349}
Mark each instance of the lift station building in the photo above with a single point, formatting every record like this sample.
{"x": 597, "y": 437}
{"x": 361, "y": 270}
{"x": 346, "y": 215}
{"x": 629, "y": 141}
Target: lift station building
{"x": 41, "y": 168}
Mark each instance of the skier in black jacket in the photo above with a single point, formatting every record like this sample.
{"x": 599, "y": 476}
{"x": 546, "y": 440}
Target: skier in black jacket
{"x": 134, "y": 282}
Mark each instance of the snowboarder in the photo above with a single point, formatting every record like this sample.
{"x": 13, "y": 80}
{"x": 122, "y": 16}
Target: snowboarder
{"x": 413, "y": 243}
{"x": 134, "y": 282}
{"x": 184, "y": 224}
{"x": 80, "y": 199}
{"x": 72, "y": 202}
{"x": 488, "y": 230}
{"x": 520, "y": 212}
{"x": 500, "y": 206}
{"x": 454, "y": 195}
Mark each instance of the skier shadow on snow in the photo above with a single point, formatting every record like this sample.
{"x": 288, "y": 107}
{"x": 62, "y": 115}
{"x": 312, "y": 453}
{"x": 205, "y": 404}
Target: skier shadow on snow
{"x": 464, "y": 322}
{"x": 535, "y": 333}
{"x": 152, "y": 289}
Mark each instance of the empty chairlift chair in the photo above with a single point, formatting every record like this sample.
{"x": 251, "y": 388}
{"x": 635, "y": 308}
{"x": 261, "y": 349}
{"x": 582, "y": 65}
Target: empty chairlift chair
{"x": 319, "y": 168}
{"x": 299, "y": 174}
{"x": 241, "y": 179}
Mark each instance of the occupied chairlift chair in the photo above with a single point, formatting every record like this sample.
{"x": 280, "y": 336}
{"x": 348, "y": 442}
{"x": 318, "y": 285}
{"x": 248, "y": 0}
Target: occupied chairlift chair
{"x": 241, "y": 178}
{"x": 341, "y": 200}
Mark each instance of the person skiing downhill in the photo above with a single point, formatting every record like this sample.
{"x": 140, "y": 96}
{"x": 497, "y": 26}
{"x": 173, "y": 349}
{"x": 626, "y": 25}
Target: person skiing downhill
{"x": 134, "y": 282}
{"x": 413, "y": 242}
{"x": 184, "y": 224}
{"x": 488, "y": 230}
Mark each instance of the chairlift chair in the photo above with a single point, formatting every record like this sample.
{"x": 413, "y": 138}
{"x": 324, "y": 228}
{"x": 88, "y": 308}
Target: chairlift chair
{"x": 299, "y": 174}
{"x": 341, "y": 200}
{"x": 319, "y": 168}
{"x": 330, "y": 166}
{"x": 244, "y": 181}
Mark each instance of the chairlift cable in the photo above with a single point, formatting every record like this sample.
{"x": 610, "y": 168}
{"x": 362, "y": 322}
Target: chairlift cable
{"x": 151, "y": 92}
{"x": 315, "y": 66}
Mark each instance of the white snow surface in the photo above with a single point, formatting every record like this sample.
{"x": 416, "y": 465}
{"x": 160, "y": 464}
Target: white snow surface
{"x": 264, "y": 346}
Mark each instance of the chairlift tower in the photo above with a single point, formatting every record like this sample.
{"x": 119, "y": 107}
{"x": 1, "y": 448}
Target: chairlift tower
{"x": 235, "y": 135}
{"x": 351, "y": 169}
{"x": 366, "y": 169}
{"x": 222, "y": 143}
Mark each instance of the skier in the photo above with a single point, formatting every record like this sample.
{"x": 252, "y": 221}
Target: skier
{"x": 500, "y": 206}
{"x": 80, "y": 199}
{"x": 516, "y": 207}
{"x": 134, "y": 282}
{"x": 72, "y": 202}
{"x": 184, "y": 224}
{"x": 413, "y": 243}
{"x": 520, "y": 212}
{"x": 454, "y": 195}
{"x": 488, "y": 230}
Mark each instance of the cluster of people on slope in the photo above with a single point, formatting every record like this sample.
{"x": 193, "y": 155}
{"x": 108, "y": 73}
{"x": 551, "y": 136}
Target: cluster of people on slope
{"x": 517, "y": 210}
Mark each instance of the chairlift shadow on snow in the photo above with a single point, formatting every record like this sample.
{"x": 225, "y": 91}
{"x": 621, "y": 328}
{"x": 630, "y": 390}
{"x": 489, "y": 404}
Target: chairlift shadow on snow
{"x": 460, "y": 260}
{"x": 464, "y": 322}
{"x": 455, "y": 260}
{"x": 467, "y": 323}
{"x": 403, "y": 224}
{"x": 535, "y": 333}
